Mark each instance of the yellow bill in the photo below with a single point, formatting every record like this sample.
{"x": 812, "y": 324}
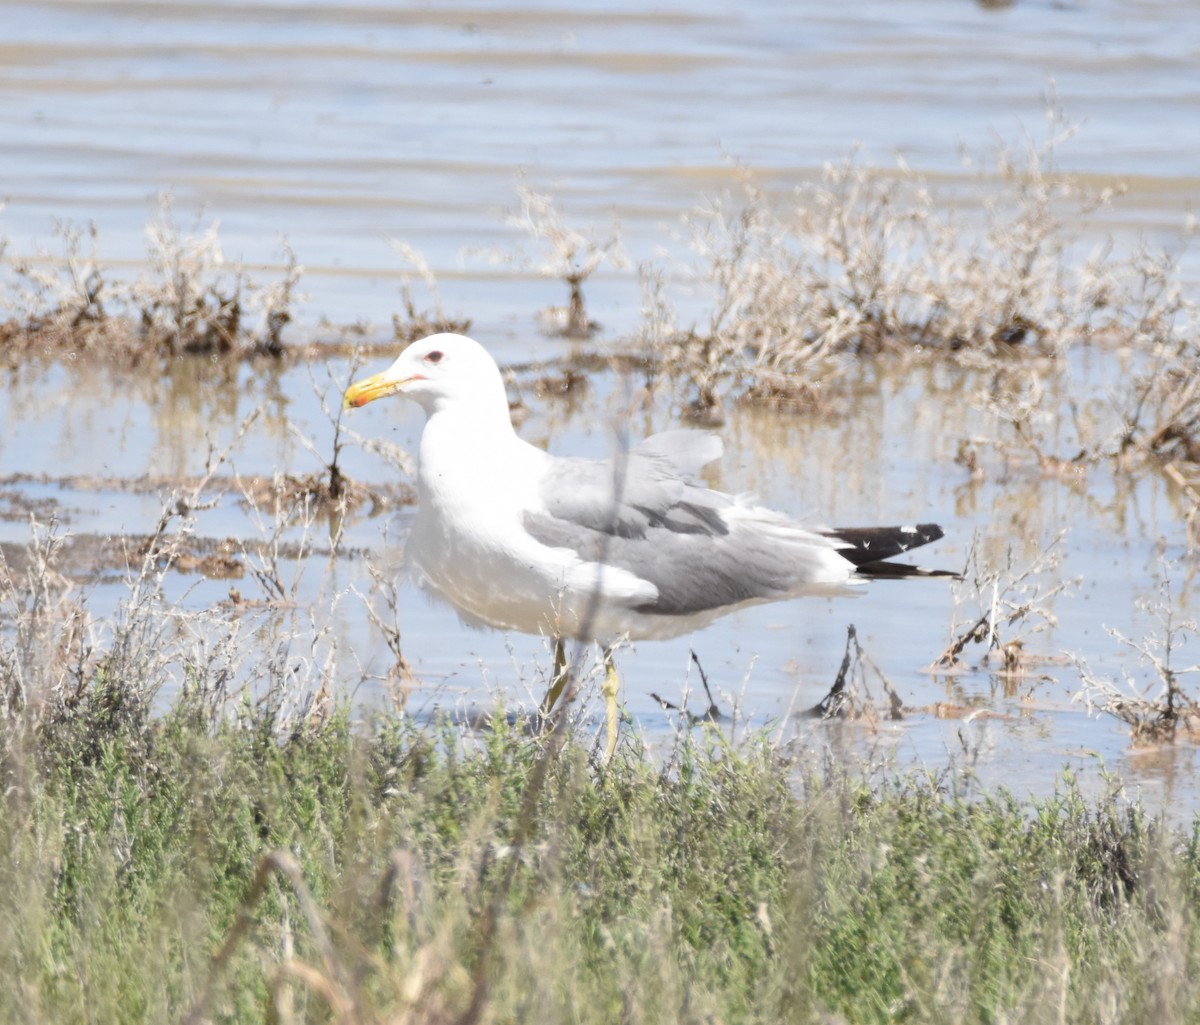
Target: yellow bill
{"x": 371, "y": 388}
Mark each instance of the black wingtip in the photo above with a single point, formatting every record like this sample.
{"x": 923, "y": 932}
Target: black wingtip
{"x": 862, "y": 545}
{"x": 871, "y": 548}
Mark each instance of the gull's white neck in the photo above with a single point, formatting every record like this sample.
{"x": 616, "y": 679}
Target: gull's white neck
{"x": 470, "y": 454}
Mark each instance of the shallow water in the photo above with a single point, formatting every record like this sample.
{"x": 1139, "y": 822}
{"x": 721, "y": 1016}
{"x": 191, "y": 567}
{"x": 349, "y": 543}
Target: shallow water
{"x": 341, "y": 127}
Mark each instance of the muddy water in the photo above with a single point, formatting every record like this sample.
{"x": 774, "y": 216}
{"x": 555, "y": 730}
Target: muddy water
{"x": 340, "y": 127}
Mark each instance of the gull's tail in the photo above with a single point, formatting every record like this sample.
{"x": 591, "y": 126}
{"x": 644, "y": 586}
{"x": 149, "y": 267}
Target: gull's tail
{"x": 870, "y": 548}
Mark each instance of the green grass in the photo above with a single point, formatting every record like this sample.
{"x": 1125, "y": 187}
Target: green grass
{"x": 710, "y": 885}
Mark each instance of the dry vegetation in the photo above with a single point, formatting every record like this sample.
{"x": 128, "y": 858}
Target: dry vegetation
{"x": 865, "y": 263}
{"x": 870, "y": 262}
{"x": 187, "y": 301}
{"x": 1158, "y": 710}
{"x": 565, "y": 254}
{"x": 417, "y": 323}
{"x": 1005, "y": 606}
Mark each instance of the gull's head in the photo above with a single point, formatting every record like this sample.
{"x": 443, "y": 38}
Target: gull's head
{"x": 436, "y": 371}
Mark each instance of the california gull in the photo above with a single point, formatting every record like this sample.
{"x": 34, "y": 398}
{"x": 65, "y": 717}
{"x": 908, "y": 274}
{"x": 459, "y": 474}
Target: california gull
{"x": 597, "y": 549}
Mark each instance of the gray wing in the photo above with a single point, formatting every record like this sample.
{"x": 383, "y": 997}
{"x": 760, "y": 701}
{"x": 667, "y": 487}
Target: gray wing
{"x": 641, "y": 512}
{"x": 627, "y": 494}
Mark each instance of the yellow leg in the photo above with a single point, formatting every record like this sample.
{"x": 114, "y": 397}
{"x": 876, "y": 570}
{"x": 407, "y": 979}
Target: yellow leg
{"x": 610, "y": 688}
{"x": 559, "y": 681}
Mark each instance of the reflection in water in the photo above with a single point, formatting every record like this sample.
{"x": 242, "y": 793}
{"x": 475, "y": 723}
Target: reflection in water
{"x": 198, "y": 405}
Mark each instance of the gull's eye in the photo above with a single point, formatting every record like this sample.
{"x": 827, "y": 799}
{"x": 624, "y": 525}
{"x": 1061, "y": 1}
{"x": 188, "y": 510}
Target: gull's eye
{"x": 434, "y": 357}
